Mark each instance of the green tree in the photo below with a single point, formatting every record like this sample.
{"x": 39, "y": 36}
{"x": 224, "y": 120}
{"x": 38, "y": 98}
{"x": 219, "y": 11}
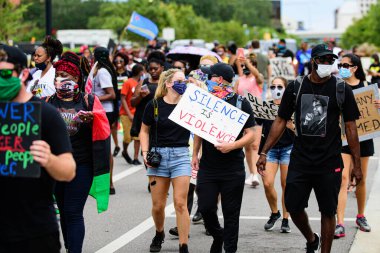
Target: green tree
{"x": 11, "y": 21}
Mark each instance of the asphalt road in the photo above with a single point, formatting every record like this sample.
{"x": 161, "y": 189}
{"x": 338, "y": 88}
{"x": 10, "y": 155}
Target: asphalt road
{"x": 127, "y": 226}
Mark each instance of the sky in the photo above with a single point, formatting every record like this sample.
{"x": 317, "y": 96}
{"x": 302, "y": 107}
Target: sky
{"x": 316, "y": 14}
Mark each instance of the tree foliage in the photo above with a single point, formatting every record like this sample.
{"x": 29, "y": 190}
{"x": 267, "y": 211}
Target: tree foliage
{"x": 11, "y": 20}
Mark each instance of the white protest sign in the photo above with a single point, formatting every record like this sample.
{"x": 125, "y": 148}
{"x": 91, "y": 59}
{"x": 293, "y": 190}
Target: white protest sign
{"x": 207, "y": 116}
{"x": 282, "y": 67}
{"x": 262, "y": 109}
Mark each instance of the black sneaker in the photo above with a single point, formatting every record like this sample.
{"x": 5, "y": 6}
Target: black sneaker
{"x": 158, "y": 239}
{"x": 112, "y": 191}
{"x": 217, "y": 245}
{"x": 136, "y": 162}
{"x": 314, "y": 246}
{"x": 274, "y": 217}
{"x": 183, "y": 248}
{"x": 197, "y": 218}
{"x": 126, "y": 157}
{"x": 174, "y": 231}
{"x": 285, "y": 226}
{"x": 116, "y": 151}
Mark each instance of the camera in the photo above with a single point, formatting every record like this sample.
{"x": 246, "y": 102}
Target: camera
{"x": 153, "y": 158}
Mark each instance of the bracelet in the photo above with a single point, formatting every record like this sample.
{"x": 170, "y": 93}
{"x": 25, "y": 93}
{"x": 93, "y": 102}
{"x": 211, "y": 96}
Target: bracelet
{"x": 262, "y": 153}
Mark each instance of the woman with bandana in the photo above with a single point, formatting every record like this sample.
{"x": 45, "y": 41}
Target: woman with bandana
{"x": 278, "y": 156}
{"x": 84, "y": 117}
{"x": 42, "y": 84}
{"x": 171, "y": 141}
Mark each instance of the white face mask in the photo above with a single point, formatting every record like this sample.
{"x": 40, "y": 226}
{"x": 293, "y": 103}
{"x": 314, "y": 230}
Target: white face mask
{"x": 276, "y": 93}
{"x": 324, "y": 70}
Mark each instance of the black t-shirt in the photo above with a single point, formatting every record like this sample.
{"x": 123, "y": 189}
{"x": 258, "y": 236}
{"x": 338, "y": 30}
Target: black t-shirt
{"x": 80, "y": 133}
{"x": 27, "y": 209}
{"x": 318, "y": 145}
{"x": 286, "y": 139}
{"x": 214, "y": 163}
{"x": 376, "y": 69}
{"x": 169, "y": 134}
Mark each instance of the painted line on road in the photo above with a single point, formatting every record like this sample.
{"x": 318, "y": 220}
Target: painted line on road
{"x": 373, "y": 158}
{"x": 127, "y": 173}
{"x": 133, "y": 233}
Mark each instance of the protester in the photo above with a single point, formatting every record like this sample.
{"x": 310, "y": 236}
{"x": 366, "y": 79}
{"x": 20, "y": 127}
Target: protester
{"x": 105, "y": 87}
{"x": 127, "y": 112}
{"x": 181, "y": 65}
{"x": 81, "y": 113}
{"x": 28, "y": 221}
{"x": 282, "y": 51}
{"x": 171, "y": 142}
{"x": 278, "y": 156}
{"x": 263, "y": 65}
{"x": 351, "y": 70}
{"x": 222, "y": 52}
{"x": 316, "y": 162}
{"x": 374, "y": 70}
{"x": 42, "y": 84}
{"x": 221, "y": 167}
{"x": 303, "y": 57}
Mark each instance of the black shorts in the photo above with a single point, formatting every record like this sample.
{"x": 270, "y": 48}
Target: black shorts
{"x": 299, "y": 185}
{"x": 112, "y": 117}
{"x": 366, "y": 148}
{"x": 44, "y": 244}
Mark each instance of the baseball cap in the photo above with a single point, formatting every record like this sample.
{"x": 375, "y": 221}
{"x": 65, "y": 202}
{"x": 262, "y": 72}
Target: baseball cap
{"x": 14, "y": 55}
{"x": 220, "y": 69}
{"x": 322, "y": 50}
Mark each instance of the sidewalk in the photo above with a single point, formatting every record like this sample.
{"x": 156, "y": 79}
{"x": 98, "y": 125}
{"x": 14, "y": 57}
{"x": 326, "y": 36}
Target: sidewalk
{"x": 370, "y": 242}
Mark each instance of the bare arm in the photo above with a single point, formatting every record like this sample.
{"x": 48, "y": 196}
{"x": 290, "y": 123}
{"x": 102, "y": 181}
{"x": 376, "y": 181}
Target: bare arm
{"x": 269, "y": 69}
{"x": 136, "y": 98}
{"x": 353, "y": 143}
{"x": 255, "y": 72}
{"x": 248, "y": 137}
{"x": 125, "y": 106}
{"x": 144, "y": 140}
{"x": 110, "y": 94}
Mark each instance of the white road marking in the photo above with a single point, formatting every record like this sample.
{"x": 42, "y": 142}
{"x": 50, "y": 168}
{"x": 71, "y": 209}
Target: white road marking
{"x": 133, "y": 233}
{"x": 127, "y": 173}
{"x": 373, "y": 158}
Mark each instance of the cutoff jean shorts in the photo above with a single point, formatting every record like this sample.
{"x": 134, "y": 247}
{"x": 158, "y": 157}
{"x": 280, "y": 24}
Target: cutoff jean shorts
{"x": 279, "y": 155}
{"x": 175, "y": 162}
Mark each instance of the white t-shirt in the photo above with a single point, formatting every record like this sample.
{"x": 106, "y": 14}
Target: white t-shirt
{"x": 42, "y": 86}
{"x": 103, "y": 80}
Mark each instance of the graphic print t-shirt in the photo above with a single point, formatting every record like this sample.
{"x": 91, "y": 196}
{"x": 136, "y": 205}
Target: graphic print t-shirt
{"x": 318, "y": 145}
{"x": 42, "y": 86}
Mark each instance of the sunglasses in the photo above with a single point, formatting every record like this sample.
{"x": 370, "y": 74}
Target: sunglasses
{"x": 323, "y": 59}
{"x": 118, "y": 61}
{"x": 6, "y": 73}
{"x": 345, "y": 65}
{"x": 204, "y": 65}
{"x": 279, "y": 87}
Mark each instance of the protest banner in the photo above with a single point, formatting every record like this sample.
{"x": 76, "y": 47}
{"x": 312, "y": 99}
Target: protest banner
{"x": 262, "y": 109}
{"x": 207, "y": 116}
{"x": 19, "y": 127}
{"x": 369, "y": 123}
{"x": 282, "y": 67}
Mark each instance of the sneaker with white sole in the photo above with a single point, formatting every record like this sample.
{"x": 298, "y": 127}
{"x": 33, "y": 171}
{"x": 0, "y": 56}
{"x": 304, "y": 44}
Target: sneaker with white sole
{"x": 314, "y": 246}
{"x": 248, "y": 181}
{"x": 285, "y": 226}
{"x": 274, "y": 217}
{"x": 339, "y": 231}
{"x": 363, "y": 224}
{"x": 255, "y": 181}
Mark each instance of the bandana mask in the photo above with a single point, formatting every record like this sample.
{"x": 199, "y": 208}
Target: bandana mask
{"x": 179, "y": 87}
{"x": 219, "y": 90}
{"x": 9, "y": 88}
{"x": 66, "y": 88}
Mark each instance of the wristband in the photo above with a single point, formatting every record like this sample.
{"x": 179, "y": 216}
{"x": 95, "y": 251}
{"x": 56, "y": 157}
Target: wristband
{"x": 262, "y": 153}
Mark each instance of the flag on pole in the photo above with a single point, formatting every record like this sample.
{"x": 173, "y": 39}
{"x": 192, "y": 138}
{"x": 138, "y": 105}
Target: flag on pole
{"x": 142, "y": 26}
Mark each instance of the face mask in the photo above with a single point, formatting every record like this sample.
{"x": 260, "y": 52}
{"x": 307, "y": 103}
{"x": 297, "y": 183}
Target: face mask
{"x": 276, "y": 93}
{"x": 246, "y": 72}
{"x": 41, "y": 66}
{"x": 281, "y": 47}
{"x": 324, "y": 70}
{"x": 66, "y": 88}
{"x": 210, "y": 85}
{"x": 179, "y": 87}
{"x": 220, "y": 52}
{"x": 345, "y": 73}
{"x": 9, "y": 88}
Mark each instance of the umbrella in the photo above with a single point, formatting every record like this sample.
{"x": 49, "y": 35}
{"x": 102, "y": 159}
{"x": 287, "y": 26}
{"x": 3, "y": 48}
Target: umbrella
{"x": 190, "y": 54}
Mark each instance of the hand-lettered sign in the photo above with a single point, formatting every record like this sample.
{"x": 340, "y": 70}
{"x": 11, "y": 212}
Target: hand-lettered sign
{"x": 19, "y": 127}
{"x": 207, "y": 116}
{"x": 369, "y": 123}
{"x": 262, "y": 109}
{"x": 282, "y": 67}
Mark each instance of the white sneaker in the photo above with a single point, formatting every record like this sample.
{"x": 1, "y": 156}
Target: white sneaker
{"x": 255, "y": 181}
{"x": 249, "y": 179}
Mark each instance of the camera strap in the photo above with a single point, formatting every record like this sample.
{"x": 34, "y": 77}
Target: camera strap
{"x": 155, "y": 115}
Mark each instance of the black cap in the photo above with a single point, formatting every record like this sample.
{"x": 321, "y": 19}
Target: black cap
{"x": 14, "y": 55}
{"x": 321, "y": 50}
{"x": 220, "y": 69}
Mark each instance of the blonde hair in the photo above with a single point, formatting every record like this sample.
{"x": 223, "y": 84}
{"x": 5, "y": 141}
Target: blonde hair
{"x": 209, "y": 57}
{"x": 165, "y": 77}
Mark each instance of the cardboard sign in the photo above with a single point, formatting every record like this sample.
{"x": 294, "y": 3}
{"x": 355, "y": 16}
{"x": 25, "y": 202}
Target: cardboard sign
{"x": 207, "y": 116}
{"x": 19, "y": 127}
{"x": 369, "y": 122}
{"x": 282, "y": 67}
{"x": 262, "y": 109}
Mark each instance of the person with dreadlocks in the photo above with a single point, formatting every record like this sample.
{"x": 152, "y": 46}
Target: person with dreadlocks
{"x": 42, "y": 84}
{"x": 87, "y": 126}
{"x": 104, "y": 86}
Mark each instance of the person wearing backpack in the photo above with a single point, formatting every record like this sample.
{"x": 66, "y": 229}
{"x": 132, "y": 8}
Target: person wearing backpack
{"x": 316, "y": 161}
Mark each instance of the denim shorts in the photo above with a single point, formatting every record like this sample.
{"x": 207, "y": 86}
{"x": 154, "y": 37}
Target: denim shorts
{"x": 175, "y": 162}
{"x": 279, "y": 155}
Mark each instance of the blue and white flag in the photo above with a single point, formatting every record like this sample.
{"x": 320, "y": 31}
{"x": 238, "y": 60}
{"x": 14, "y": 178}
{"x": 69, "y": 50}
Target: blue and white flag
{"x": 142, "y": 26}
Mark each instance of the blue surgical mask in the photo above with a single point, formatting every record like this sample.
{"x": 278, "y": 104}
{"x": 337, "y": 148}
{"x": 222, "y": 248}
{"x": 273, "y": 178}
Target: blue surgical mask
{"x": 179, "y": 87}
{"x": 280, "y": 47}
{"x": 210, "y": 85}
{"x": 345, "y": 73}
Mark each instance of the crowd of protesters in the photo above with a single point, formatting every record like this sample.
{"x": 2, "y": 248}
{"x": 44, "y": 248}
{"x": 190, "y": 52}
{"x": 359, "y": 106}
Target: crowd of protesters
{"x": 87, "y": 98}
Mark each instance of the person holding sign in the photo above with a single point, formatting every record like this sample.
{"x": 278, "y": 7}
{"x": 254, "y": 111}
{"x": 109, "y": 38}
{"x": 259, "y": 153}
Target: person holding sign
{"x": 28, "y": 221}
{"x": 316, "y": 161}
{"x": 82, "y": 114}
{"x": 171, "y": 142}
{"x": 351, "y": 70}
{"x": 277, "y": 156}
{"x": 221, "y": 167}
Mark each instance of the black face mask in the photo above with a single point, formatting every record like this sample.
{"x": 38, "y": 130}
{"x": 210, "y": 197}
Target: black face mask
{"x": 246, "y": 71}
{"x": 41, "y": 66}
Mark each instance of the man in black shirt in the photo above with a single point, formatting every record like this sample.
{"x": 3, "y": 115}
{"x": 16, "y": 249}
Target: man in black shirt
{"x": 27, "y": 220}
{"x": 221, "y": 168}
{"x": 283, "y": 51}
{"x": 315, "y": 161}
